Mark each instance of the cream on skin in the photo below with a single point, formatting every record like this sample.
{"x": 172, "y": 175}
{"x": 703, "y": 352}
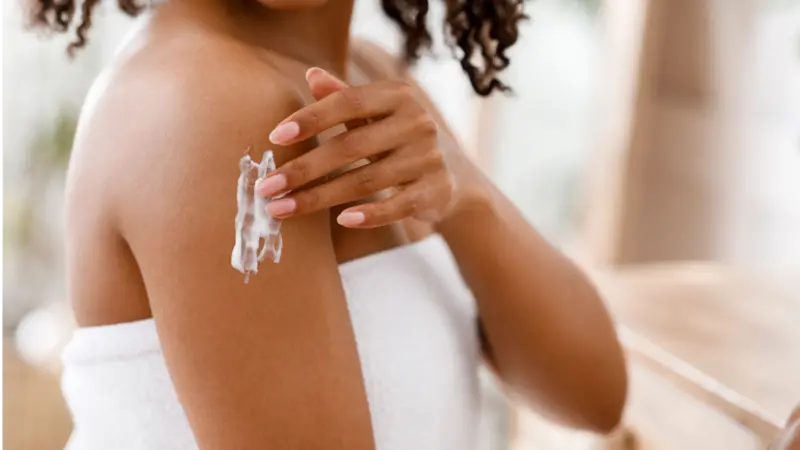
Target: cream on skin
{"x": 253, "y": 221}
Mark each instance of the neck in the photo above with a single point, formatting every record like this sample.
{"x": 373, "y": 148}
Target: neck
{"x": 316, "y": 37}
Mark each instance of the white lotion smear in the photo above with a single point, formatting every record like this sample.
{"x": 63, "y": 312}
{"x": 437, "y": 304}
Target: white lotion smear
{"x": 253, "y": 222}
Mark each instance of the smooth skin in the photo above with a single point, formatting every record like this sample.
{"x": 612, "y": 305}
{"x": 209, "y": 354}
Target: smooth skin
{"x": 527, "y": 292}
{"x": 403, "y": 147}
{"x": 412, "y": 151}
{"x": 392, "y": 124}
{"x": 149, "y": 232}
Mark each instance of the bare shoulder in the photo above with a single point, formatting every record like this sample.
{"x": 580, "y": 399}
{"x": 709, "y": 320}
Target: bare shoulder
{"x": 155, "y": 163}
{"x": 185, "y": 85}
{"x": 164, "y": 115}
{"x": 189, "y": 84}
{"x": 247, "y": 360}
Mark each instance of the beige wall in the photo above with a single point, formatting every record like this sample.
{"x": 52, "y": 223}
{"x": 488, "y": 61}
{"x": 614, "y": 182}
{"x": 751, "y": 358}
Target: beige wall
{"x": 696, "y": 165}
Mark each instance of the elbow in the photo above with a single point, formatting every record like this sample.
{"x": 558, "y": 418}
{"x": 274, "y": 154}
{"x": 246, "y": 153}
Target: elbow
{"x": 603, "y": 417}
{"x": 606, "y": 421}
{"x": 598, "y": 397}
{"x": 609, "y": 388}
{"x": 608, "y": 407}
{"x": 594, "y": 404}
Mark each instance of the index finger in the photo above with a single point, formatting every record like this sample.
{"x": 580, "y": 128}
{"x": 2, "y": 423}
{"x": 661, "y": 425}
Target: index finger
{"x": 353, "y": 103}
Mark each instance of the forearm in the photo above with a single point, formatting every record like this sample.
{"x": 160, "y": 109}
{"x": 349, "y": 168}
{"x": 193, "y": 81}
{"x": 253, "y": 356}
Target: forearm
{"x": 548, "y": 333}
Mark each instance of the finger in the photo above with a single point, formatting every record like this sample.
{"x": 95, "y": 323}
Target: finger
{"x": 406, "y": 203}
{"x": 364, "y": 142}
{"x": 353, "y": 103}
{"x": 348, "y": 187}
{"x": 322, "y": 84}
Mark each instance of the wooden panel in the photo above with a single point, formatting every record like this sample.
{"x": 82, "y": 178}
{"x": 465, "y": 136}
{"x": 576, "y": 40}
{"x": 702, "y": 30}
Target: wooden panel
{"x": 35, "y": 416}
{"x": 713, "y": 356}
{"x": 632, "y": 35}
{"x": 738, "y": 329}
{"x": 670, "y": 185}
{"x": 659, "y": 416}
{"x": 685, "y": 66}
{"x": 701, "y": 387}
{"x": 663, "y": 417}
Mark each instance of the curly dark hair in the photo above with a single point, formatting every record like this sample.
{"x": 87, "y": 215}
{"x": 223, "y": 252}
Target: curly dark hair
{"x": 479, "y": 31}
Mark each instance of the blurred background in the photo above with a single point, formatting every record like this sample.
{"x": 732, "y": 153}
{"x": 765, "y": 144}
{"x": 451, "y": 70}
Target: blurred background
{"x": 655, "y": 141}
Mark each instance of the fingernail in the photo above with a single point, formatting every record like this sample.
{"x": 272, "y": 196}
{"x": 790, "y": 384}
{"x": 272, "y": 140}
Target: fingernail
{"x": 272, "y": 185}
{"x": 284, "y": 132}
{"x": 281, "y": 207}
{"x": 313, "y": 71}
{"x": 352, "y": 218}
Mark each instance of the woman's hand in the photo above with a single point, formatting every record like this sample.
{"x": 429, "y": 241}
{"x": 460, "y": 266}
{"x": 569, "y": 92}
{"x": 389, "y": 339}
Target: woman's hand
{"x": 387, "y": 126}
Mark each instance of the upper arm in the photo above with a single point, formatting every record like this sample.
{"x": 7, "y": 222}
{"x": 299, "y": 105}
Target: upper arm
{"x": 268, "y": 363}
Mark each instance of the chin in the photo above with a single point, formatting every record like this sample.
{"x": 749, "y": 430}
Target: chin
{"x": 293, "y": 5}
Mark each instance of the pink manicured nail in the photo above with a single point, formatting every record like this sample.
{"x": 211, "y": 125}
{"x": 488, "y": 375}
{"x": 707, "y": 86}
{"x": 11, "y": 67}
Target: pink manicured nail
{"x": 281, "y": 207}
{"x": 284, "y": 132}
{"x": 313, "y": 71}
{"x": 352, "y": 218}
{"x": 272, "y": 185}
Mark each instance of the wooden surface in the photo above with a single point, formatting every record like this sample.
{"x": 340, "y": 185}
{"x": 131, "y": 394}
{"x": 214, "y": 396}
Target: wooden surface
{"x": 741, "y": 330}
{"x": 35, "y": 416}
{"x": 714, "y": 360}
{"x": 681, "y": 155}
{"x": 704, "y": 390}
{"x": 658, "y": 416}
{"x": 631, "y": 37}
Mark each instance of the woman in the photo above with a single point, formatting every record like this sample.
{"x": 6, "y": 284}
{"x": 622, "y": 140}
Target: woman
{"x": 363, "y": 336}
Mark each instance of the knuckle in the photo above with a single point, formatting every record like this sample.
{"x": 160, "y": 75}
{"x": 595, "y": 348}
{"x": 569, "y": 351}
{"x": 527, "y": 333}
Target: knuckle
{"x": 404, "y": 88}
{"x": 401, "y": 90}
{"x": 423, "y": 125}
{"x": 375, "y": 215}
{"x": 308, "y": 201}
{"x": 354, "y": 100}
{"x": 365, "y": 182}
{"x": 408, "y": 209}
{"x": 428, "y": 128}
{"x": 351, "y": 144}
{"x": 379, "y": 213}
{"x": 313, "y": 118}
{"x": 297, "y": 172}
{"x": 412, "y": 204}
{"x": 434, "y": 160}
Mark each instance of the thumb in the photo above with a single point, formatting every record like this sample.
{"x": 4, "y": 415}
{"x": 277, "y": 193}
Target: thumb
{"x": 322, "y": 84}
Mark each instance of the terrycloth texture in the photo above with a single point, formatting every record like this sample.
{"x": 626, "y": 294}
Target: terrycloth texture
{"x": 414, "y": 322}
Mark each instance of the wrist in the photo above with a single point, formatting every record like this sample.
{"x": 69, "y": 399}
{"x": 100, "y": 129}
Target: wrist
{"x": 474, "y": 198}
